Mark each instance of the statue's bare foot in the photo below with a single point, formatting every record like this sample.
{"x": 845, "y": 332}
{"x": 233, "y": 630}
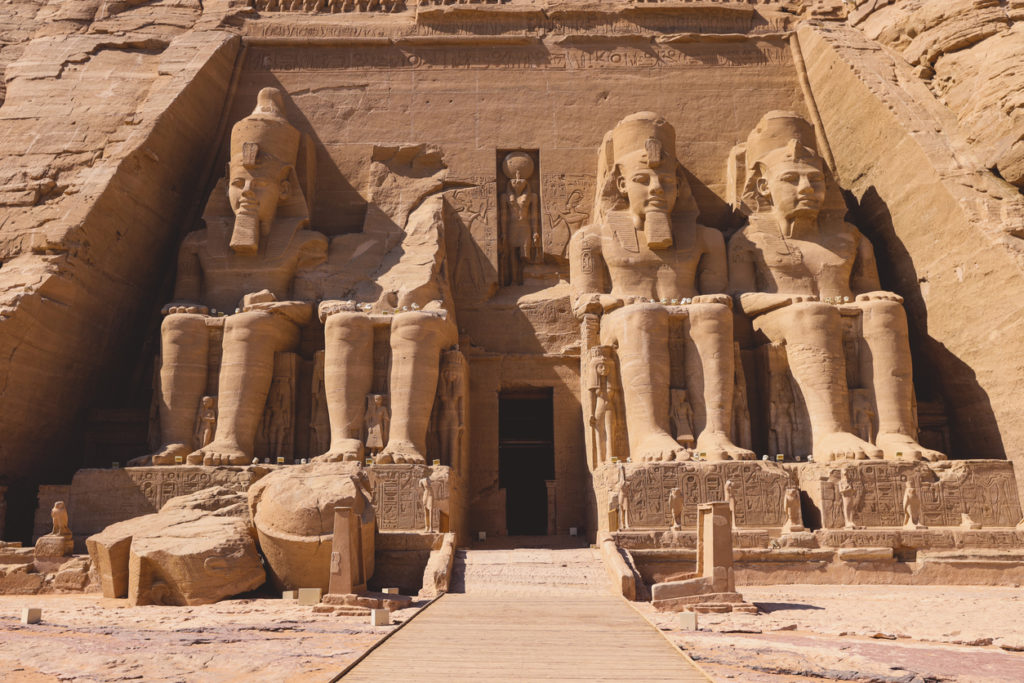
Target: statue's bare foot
{"x": 342, "y": 450}
{"x": 892, "y": 443}
{"x": 844, "y": 446}
{"x": 224, "y": 454}
{"x": 658, "y": 447}
{"x": 403, "y": 452}
{"x": 719, "y": 446}
{"x": 165, "y": 456}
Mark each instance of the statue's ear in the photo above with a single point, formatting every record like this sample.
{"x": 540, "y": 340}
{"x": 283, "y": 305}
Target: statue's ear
{"x": 762, "y": 186}
{"x": 286, "y": 190}
{"x": 620, "y": 181}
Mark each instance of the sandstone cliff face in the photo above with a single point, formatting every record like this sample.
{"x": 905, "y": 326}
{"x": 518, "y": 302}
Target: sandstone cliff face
{"x": 106, "y": 126}
{"x": 968, "y": 52}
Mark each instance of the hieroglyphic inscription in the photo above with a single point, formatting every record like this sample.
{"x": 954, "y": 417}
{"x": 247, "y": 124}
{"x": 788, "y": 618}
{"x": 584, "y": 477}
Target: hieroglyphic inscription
{"x": 396, "y": 495}
{"x": 758, "y": 490}
{"x": 566, "y": 209}
{"x": 985, "y": 490}
{"x": 570, "y": 58}
{"x": 472, "y": 240}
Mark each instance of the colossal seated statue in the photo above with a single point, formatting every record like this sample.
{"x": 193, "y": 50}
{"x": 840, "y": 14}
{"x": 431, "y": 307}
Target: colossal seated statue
{"x": 643, "y": 265}
{"x": 245, "y": 263}
{"x": 798, "y": 271}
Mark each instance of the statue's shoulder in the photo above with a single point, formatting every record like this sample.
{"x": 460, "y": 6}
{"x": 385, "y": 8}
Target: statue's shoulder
{"x": 587, "y": 236}
{"x": 711, "y": 237}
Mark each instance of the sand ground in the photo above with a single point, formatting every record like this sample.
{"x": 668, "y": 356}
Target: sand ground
{"x": 882, "y": 634}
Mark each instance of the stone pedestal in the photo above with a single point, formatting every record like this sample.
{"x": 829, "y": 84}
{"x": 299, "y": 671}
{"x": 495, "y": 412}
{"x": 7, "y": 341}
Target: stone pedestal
{"x": 54, "y": 546}
{"x": 758, "y": 492}
{"x": 985, "y": 490}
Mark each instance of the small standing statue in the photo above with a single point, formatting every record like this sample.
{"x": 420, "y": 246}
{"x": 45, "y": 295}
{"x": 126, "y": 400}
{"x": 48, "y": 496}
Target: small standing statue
{"x": 207, "y": 422}
{"x": 912, "y": 507}
{"x": 850, "y": 499}
{"x": 730, "y": 497}
{"x": 621, "y": 492}
{"x": 682, "y": 418}
{"x": 794, "y": 518}
{"x": 602, "y": 413}
{"x": 675, "y": 506}
{"x": 451, "y": 426}
{"x": 59, "y": 515}
{"x": 520, "y": 217}
{"x": 427, "y": 498}
{"x": 378, "y": 419}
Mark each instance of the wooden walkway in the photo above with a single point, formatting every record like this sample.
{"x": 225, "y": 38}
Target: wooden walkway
{"x": 527, "y": 636}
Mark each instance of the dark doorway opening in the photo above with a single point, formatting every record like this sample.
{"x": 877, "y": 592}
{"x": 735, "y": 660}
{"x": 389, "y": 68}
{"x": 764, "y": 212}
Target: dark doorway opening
{"x": 526, "y": 458}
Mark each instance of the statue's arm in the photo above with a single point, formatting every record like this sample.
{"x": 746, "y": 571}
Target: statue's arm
{"x": 743, "y": 279}
{"x": 713, "y": 273}
{"x": 309, "y": 271}
{"x": 864, "y": 282}
{"x": 188, "y": 285}
{"x": 586, "y": 274}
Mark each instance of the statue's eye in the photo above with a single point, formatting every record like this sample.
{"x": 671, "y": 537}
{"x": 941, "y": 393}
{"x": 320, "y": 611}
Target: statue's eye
{"x": 238, "y": 182}
{"x": 640, "y": 178}
{"x": 789, "y": 177}
{"x": 817, "y": 178}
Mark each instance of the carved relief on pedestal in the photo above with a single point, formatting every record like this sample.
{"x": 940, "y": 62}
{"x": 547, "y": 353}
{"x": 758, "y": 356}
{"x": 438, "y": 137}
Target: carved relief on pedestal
{"x": 401, "y": 500}
{"x": 757, "y": 491}
{"x": 808, "y": 281}
{"x": 649, "y": 273}
{"x": 984, "y": 490}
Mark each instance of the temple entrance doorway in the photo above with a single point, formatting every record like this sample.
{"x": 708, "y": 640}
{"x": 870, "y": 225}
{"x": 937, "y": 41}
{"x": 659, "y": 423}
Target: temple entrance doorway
{"x": 526, "y": 458}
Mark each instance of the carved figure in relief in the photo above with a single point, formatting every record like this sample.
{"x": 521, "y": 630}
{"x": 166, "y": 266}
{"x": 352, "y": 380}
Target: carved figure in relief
{"x": 603, "y": 399}
{"x": 621, "y": 492}
{"x": 319, "y": 421}
{"x": 427, "y": 499}
{"x": 863, "y": 415}
{"x": 378, "y": 419}
{"x": 796, "y": 270}
{"x": 59, "y": 516}
{"x": 206, "y": 425}
{"x": 646, "y": 238}
{"x": 741, "y": 433}
{"x": 520, "y": 217}
{"x": 794, "y": 517}
{"x": 276, "y": 426}
{"x": 675, "y": 506}
{"x": 912, "y": 506}
{"x": 682, "y": 418}
{"x": 850, "y": 496}
{"x": 250, "y": 259}
{"x": 451, "y": 419}
{"x": 781, "y": 425}
{"x": 570, "y": 219}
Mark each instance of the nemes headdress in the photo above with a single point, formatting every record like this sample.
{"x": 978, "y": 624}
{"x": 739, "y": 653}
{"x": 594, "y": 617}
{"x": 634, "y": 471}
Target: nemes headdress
{"x": 264, "y": 138}
{"x": 778, "y": 136}
{"x": 782, "y": 135}
{"x": 650, "y": 136}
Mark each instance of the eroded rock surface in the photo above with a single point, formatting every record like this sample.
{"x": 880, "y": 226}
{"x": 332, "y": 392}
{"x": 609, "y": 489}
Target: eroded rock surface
{"x": 198, "y": 549}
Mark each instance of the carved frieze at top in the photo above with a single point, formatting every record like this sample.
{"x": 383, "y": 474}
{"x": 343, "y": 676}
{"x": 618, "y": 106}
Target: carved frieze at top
{"x": 559, "y": 20}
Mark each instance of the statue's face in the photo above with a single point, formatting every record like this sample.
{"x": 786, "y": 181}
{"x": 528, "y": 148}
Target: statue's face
{"x": 601, "y": 368}
{"x": 255, "y": 192}
{"x": 795, "y": 188}
{"x": 378, "y": 400}
{"x": 648, "y": 189}
{"x": 518, "y": 184}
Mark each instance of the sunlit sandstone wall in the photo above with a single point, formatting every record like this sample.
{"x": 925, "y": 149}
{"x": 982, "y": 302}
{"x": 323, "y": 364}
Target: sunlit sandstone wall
{"x": 946, "y": 231}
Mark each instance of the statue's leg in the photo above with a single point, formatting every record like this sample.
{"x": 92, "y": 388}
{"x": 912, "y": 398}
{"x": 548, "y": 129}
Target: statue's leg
{"x": 710, "y": 368}
{"x": 812, "y": 333}
{"x": 185, "y": 342}
{"x": 884, "y": 325}
{"x": 348, "y": 379}
{"x": 247, "y": 368}
{"x": 417, "y": 339}
{"x": 641, "y": 332}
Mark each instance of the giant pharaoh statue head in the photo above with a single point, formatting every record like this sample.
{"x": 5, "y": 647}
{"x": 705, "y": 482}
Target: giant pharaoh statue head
{"x": 261, "y": 172}
{"x": 785, "y": 173}
{"x": 638, "y": 172}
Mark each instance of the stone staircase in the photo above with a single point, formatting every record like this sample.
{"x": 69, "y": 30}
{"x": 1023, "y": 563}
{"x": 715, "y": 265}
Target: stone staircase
{"x": 529, "y": 571}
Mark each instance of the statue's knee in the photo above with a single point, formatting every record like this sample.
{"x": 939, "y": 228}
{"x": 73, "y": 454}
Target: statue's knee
{"x": 183, "y": 328}
{"x": 260, "y": 327}
{"x": 347, "y": 323}
{"x": 814, "y": 314}
{"x": 421, "y": 328}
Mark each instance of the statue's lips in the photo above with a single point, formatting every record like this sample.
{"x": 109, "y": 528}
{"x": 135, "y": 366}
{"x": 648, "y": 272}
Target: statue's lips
{"x": 249, "y": 208}
{"x": 656, "y": 205}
